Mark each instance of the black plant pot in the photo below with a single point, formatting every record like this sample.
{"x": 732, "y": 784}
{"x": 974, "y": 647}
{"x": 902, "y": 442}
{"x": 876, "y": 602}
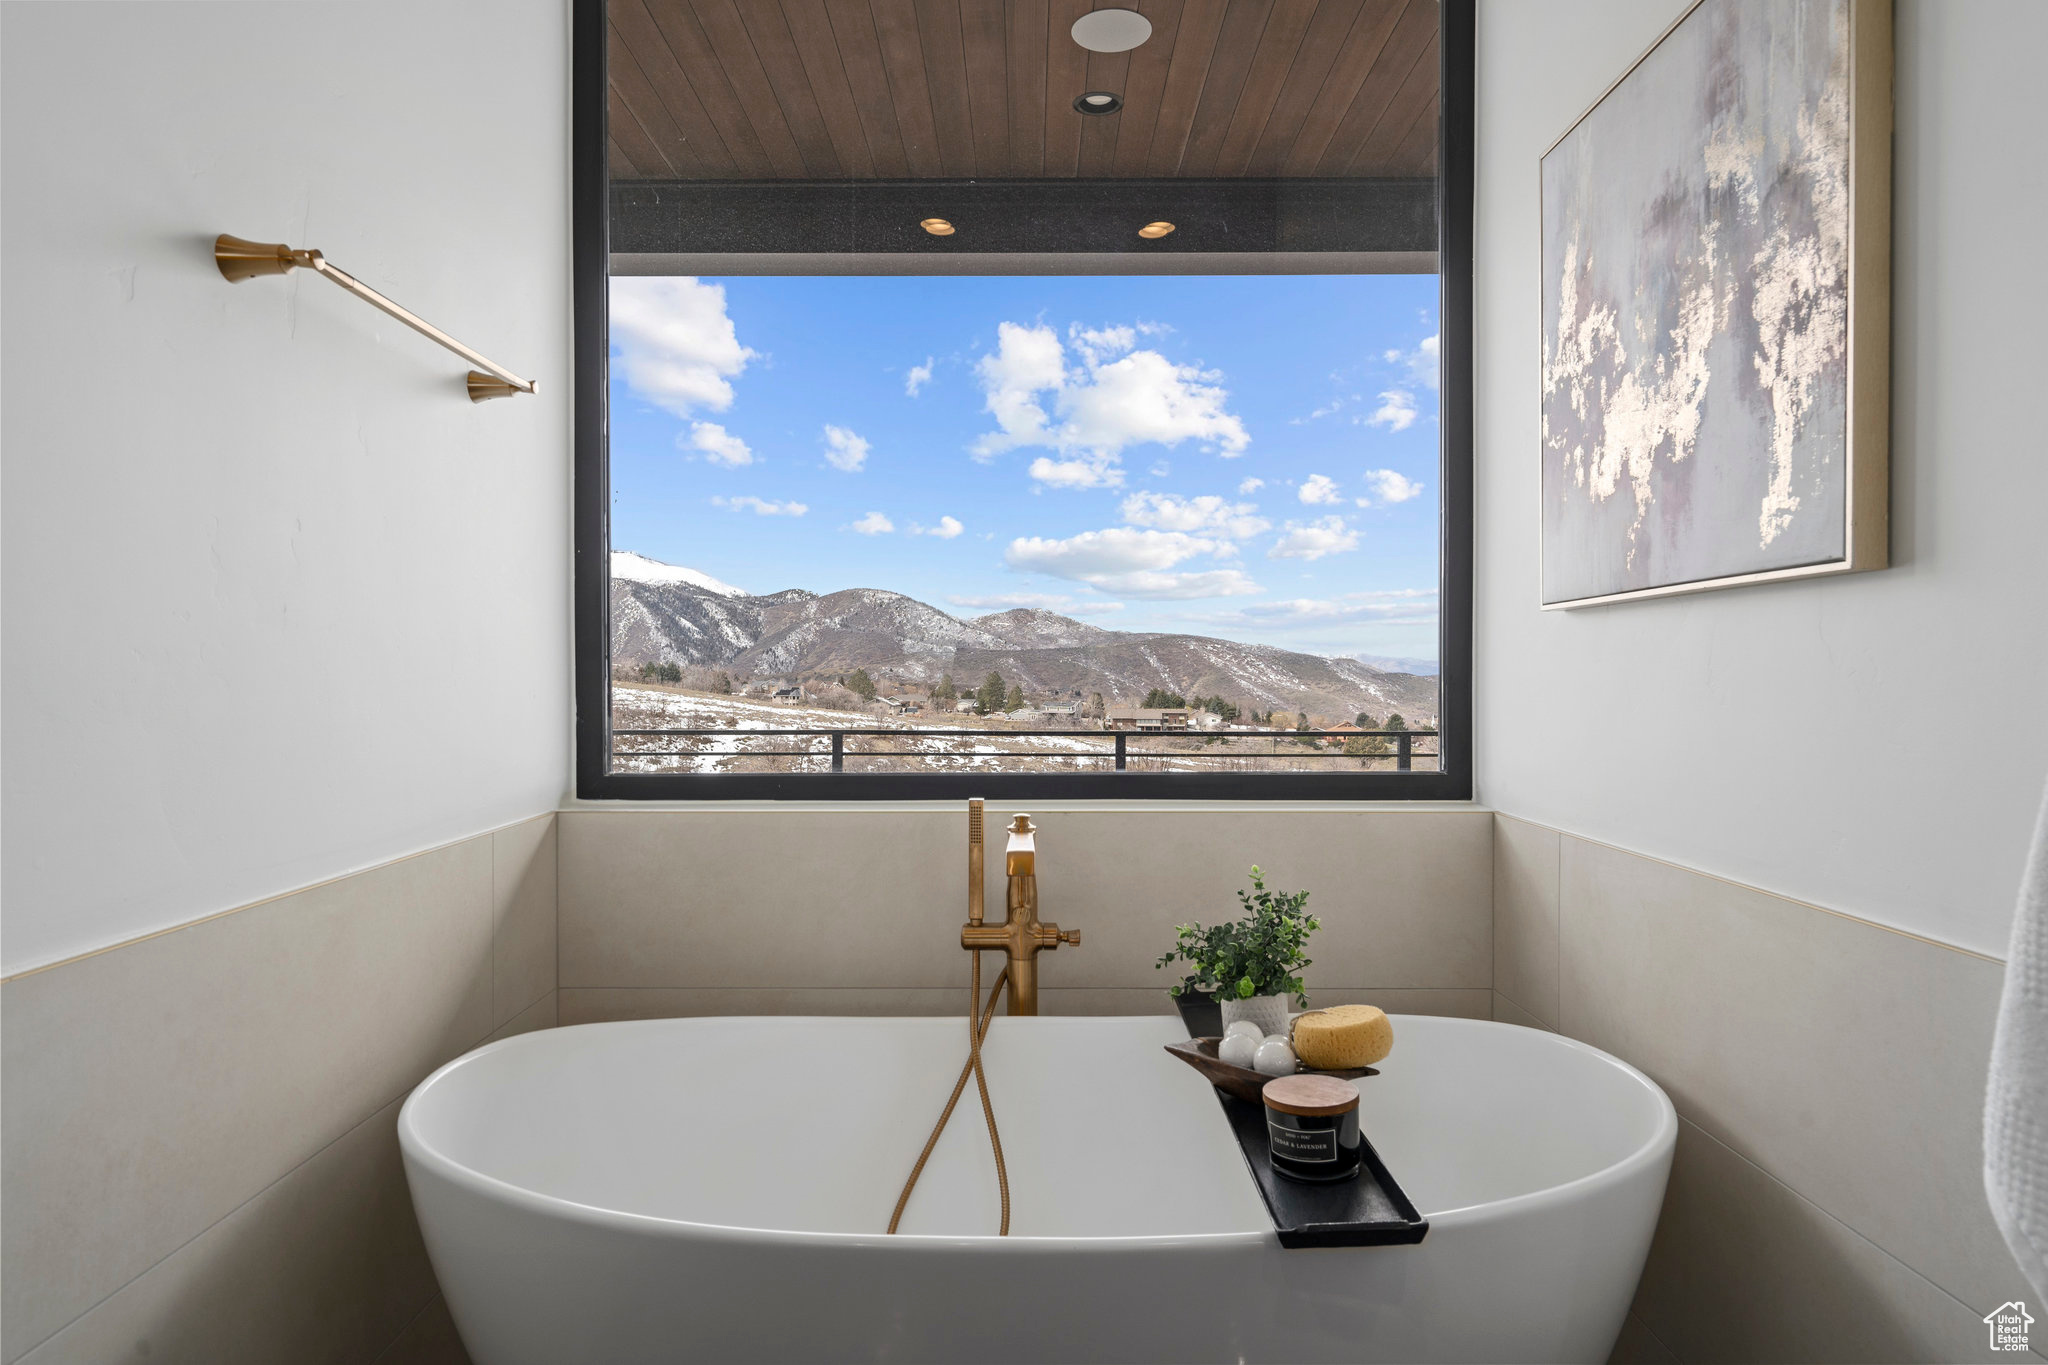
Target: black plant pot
{"x": 1202, "y": 1014}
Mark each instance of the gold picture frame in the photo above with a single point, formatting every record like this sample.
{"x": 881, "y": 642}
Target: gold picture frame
{"x": 1677, "y": 346}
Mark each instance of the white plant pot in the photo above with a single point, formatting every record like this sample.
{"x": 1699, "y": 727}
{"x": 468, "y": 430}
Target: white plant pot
{"x": 1269, "y": 1012}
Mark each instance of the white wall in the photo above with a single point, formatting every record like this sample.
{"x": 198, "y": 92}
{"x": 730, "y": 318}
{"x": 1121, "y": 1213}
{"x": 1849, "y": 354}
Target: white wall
{"x": 1767, "y": 734}
{"x": 279, "y": 601}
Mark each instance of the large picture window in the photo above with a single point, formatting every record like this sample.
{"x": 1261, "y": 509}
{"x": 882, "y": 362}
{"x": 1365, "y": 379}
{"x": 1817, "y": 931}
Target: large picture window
{"x": 1070, "y": 485}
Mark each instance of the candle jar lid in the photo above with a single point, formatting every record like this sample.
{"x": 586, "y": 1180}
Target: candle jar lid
{"x": 1310, "y": 1096}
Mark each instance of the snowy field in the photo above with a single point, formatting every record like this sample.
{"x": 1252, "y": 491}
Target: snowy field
{"x": 905, "y": 750}
{"x": 740, "y": 746}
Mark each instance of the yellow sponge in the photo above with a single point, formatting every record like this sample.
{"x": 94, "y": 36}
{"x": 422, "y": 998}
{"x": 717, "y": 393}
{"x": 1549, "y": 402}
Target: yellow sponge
{"x": 1343, "y": 1036}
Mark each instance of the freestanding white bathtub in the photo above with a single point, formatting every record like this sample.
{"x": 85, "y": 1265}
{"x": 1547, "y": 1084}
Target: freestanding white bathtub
{"x": 717, "y": 1190}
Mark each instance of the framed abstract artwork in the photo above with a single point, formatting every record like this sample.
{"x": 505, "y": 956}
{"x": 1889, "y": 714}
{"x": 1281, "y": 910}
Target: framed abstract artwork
{"x": 1716, "y": 257}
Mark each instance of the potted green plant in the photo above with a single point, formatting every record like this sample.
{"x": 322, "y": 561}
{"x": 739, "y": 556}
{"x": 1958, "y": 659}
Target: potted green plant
{"x": 1250, "y": 967}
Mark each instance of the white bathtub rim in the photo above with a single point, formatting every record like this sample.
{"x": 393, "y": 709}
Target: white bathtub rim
{"x": 415, "y": 1147}
{"x": 1656, "y": 1148}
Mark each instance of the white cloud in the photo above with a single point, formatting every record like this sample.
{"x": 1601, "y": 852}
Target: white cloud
{"x": 1403, "y": 606}
{"x": 761, "y": 507}
{"x": 844, "y": 450}
{"x": 1320, "y": 488}
{"x": 677, "y": 347}
{"x": 1132, "y": 562}
{"x": 1390, "y": 487}
{"x": 1027, "y": 361}
{"x": 1088, "y": 472}
{"x": 1314, "y": 539}
{"x": 1090, "y": 412}
{"x": 1396, "y": 412}
{"x": 717, "y": 444}
{"x": 1324, "y": 411}
{"x": 1101, "y": 343}
{"x": 1146, "y": 397}
{"x": 1044, "y": 601}
{"x": 1425, "y": 362}
{"x": 1117, "y": 550}
{"x": 919, "y": 376}
{"x": 945, "y": 530}
{"x": 1250, "y": 486}
{"x": 1168, "y": 512}
{"x": 1179, "y": 587}
{"x": 873, "y": 524}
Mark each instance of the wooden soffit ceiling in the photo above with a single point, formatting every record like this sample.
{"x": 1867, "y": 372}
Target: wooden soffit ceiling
{"x": 960, "y": 89}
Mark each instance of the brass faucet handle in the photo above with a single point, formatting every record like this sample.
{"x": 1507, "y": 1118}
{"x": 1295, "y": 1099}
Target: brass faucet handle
{"x": 1072, "y": 936}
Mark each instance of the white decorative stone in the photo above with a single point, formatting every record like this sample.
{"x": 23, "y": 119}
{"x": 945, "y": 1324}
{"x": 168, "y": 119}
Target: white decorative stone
{"x": 1238, "y": 1049}
{"x": 1245, "y": 1026}
{"x": 1274, "y": 1058}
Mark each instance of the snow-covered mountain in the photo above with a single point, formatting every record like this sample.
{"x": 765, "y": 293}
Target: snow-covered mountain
{"x": 665, "y": 614}
{"x": 641, "y": 569}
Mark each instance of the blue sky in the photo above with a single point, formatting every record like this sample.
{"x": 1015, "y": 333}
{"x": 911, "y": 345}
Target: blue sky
{"x": 1253, "y": 457}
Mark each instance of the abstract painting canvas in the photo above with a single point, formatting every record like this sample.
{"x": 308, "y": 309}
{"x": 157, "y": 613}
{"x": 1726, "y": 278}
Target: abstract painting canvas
{"x": 1716, "y": 242}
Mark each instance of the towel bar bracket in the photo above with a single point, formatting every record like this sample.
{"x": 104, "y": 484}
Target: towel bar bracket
{"x": 240, "y": 259}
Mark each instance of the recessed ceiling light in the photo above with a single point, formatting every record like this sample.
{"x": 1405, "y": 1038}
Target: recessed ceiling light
{"x": 1154, "y": 231}
{"x": 1098, "y": 102}
{"x": 1112, "y": 30}
{"x": 937, "y": 227}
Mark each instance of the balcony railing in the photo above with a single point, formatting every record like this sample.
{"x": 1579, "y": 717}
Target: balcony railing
{"x": 915, "y": 748}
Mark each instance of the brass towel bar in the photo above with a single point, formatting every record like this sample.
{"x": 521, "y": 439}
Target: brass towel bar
{"x": 242, "y": 260}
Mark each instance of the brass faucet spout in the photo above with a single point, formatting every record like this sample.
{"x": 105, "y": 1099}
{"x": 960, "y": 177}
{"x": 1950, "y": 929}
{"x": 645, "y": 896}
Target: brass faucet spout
{"x": 1022, "y": 936}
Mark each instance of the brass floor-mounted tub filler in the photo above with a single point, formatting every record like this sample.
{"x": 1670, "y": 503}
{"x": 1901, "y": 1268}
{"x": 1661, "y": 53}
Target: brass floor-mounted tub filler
{"x": 1021, "y": 937}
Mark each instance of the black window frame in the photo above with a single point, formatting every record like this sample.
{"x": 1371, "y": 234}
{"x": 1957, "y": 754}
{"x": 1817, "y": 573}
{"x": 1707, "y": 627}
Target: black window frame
{"x": 590, "y": 272}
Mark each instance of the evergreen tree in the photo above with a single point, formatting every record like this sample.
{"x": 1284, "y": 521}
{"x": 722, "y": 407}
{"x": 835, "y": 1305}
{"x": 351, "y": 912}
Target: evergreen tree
{"x": 1394, "y": 722}
{"x": 1015, "y": 700}
{"x": 945, "y": 691}
{"x": 1159, "y": 698}
{"x": 721, "y": 683}
{"x": 1097, "y": 707}
{"x": 1216, "y": 706}
{"x": 860, "y": 684}
{"x": 1364, "y": 721}
{"x": 989, "y": 696}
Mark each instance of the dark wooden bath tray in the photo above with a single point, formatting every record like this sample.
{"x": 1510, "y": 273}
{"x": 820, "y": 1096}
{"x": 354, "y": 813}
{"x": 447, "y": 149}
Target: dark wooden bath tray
{"x": 1371, "y": 1211}
{"x": 1242, "y": 1081}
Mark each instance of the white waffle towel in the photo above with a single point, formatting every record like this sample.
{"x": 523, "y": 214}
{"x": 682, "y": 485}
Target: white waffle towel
{"x": 2016, "y": 1099}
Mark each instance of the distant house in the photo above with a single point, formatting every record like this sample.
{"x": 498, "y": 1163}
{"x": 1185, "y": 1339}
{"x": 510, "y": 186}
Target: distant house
{"x": 1060, "y": 712}
{"x": 963, "y": 707}
{"x": 791, "y": 695}
{"x": 893, "y": 703}
{"x": 1340, "y": 733}
{"x": 1147, "y": 718}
